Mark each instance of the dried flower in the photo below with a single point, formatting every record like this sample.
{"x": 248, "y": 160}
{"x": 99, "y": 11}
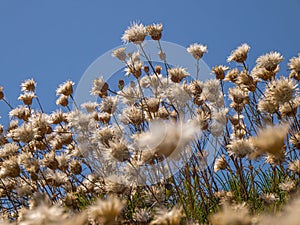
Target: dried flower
{"x": 120, "y": 53}
{"x": 289, "y": 108}
{"x": 55, "y": 178}
{"x": 20, "y": 112}
{"x": 240, "y": 54}
{"x": 109, "y": 104}
{"x": 65, "y": 88}
{"x": 155, "y": 31}
{"x": 288, "y": 185}
{"x": 152, "y": 104}
{"x": 105, "y": 211}
{"x": 119, "y": 150}
{"x": 142, "y": 216}
{"x": 173, "y": 217}
{"x": 289, "y": 215}
{"x": 116, "y": 185}
{"x": 274, "y": 160}
{"x": 203, "y": 118}
{"x": 295, "y": 140}
{"x": 24, "y": 133}
{"x": 27, "y": 98}
{"x": 220, "y": 116}
{"x": 104, "y": 117}
{"x": 244, "y": 78}
{"x": 225, "y": 197}
{"x": 44, "y": 214}
{"x": 57, "y": 117}
{"x": 163, "y": 113}
{"x": 270, "y": 140}
{"x": 10, "y": 168}
{"x": 269, "y": 198}
{"x": 132, "y": 115}
{"x": 269, "y": 61}
{"x": 166, "y": 138}
{"x": 196, "y": 87}
{"x": 232, "y": 75}
{"x": 134, "y": 65}
{"x": 75, "y": 166}
{"x": 135, "y": 33}
{"x": 211, "y": 90}
{"x": 240, "y": 148}
{"x": 63, "y": 161}
{"x": 219, "y": 71}
{"x": 28, "y": 85}
{"x": 50, "y": 160}
{"x": 177, "y": 95}
{"x": 267, "y": 106}
{"x": 197, "y": 50}
{"x": 62, "y": 100}
{"x": 220, "y": 164}
{"x": 295, "y": 166}
{"x": 98, "y": 86}
{"x": 237, "y": 94}
{"x": 41, "y": 126}
{"x": 281, "y": 90}
{"x": 262, "y": 73}
{"x": 229, "y": 216}
{"x": 90, "y": 107}
{"x": 294, "y": 66}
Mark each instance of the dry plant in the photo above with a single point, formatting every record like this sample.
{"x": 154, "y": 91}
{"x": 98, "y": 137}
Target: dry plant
{"x": 113, "y": 161}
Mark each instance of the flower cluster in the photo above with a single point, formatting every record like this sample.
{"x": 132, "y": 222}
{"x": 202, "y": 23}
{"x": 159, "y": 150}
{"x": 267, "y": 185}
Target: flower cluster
{"x": 161, "y": 148}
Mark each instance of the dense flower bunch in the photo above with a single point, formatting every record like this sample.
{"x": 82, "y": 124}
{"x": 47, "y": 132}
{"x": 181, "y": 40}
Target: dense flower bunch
{"x": 142, "y": 153}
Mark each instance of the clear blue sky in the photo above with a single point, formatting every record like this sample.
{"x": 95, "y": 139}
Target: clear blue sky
{"x": 57, "y": 40}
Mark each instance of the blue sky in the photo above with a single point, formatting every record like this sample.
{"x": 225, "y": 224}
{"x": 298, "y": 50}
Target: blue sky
{"x": 57, "y": 40}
